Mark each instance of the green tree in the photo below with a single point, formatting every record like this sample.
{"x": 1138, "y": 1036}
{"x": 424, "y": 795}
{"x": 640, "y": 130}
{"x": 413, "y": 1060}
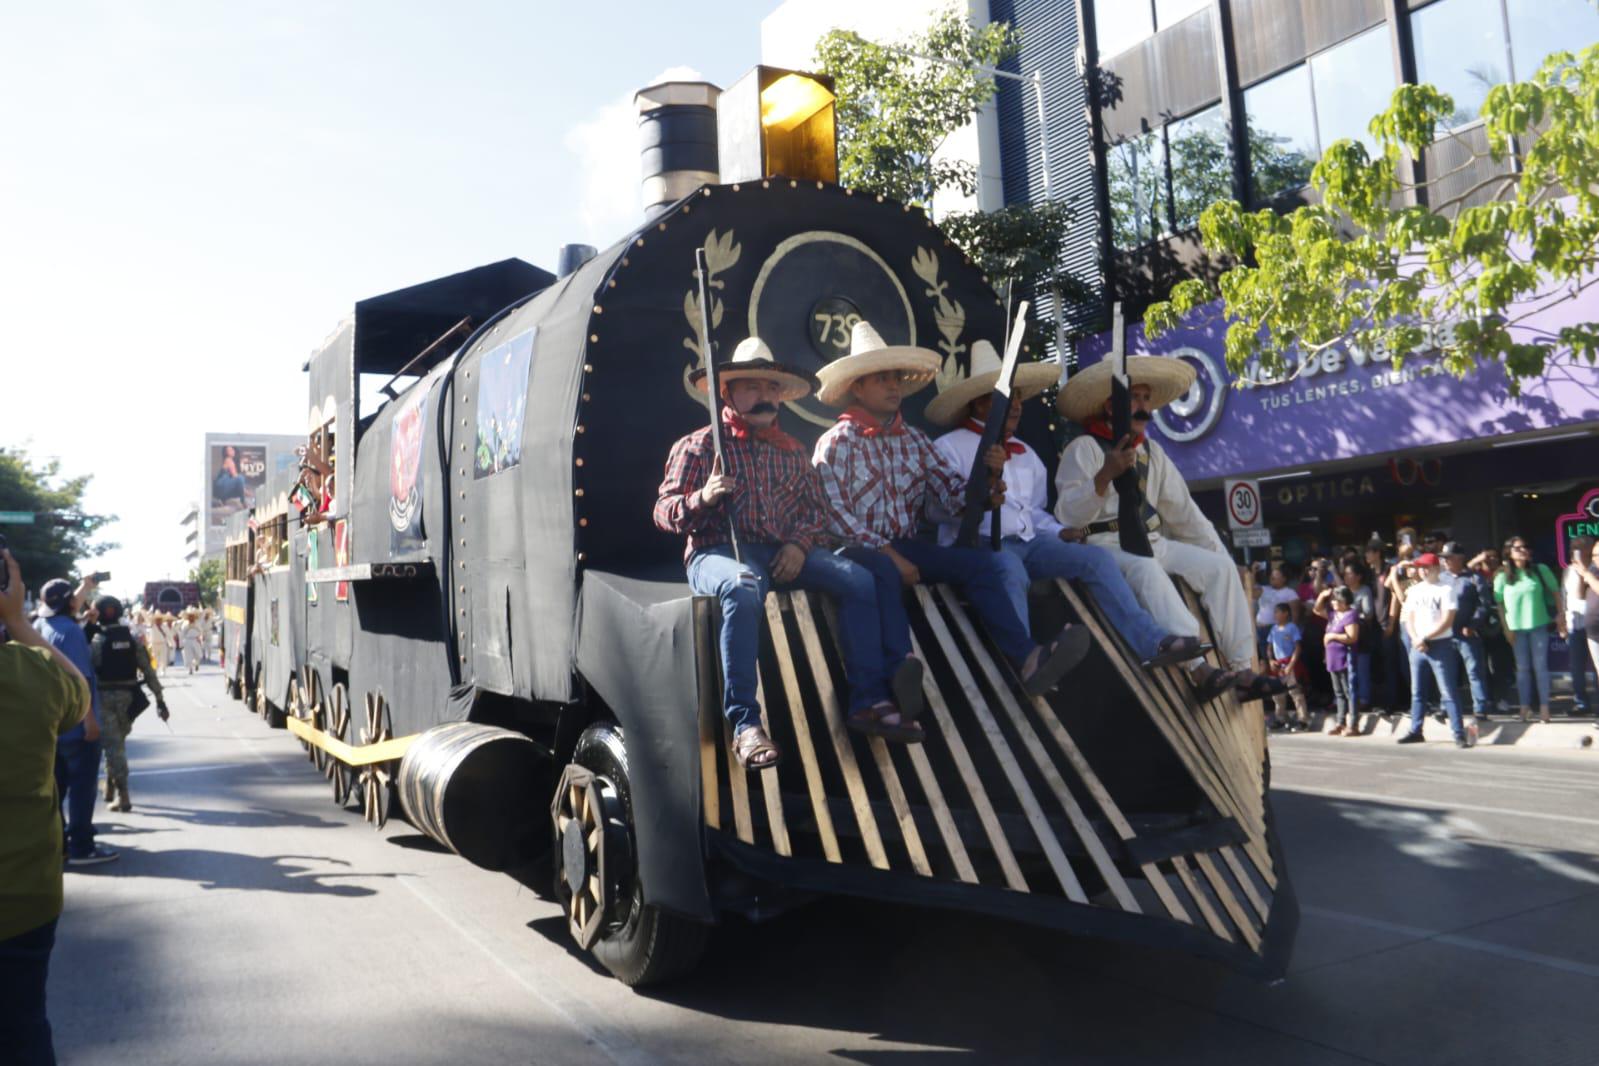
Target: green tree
{"x": 49, "y": 547}
{"x": 208, "y": 575}
{"x": 1364, "y": 268}
{"x": 896, "y": 106}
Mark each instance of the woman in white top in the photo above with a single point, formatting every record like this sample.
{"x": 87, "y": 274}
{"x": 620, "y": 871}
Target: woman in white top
{"x": 1266, "y": 601}
{"x": 1579, "y": 611}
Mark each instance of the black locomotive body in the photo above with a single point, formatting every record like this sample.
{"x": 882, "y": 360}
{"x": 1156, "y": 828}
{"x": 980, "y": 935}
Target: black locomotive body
{"x": 481, "y": 617}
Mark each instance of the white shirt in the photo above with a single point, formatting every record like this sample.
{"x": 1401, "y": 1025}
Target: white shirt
{"x": 1576, "y": 593}
{"x": 1426, "y": 604}
{"x": 1266, "y": 612}
{"x": 1023, "y": 513}
{"x": 1078, "y": 505}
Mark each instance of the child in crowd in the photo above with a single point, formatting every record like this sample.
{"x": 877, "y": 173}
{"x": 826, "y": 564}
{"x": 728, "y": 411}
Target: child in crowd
{"x": 1337, "y": 605}
{"x": 1284, "y": 640}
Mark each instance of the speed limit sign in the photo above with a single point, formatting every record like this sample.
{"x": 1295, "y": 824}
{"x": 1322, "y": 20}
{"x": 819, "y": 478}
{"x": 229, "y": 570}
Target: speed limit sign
{"x": 1243, "y": 504}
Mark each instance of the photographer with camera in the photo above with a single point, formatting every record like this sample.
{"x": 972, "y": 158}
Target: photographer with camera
{"x": 43, "y": 697}
{"x": 119, "y": 664}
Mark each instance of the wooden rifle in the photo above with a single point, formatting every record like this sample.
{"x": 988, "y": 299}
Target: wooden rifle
{"x": 713, "y": 397}
{"x": 1130, "y": 498}
{"x": 993, "y": 428}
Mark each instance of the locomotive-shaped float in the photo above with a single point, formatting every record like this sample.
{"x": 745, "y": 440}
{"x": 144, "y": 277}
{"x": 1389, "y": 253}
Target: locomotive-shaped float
{"x": 463, "y": 602}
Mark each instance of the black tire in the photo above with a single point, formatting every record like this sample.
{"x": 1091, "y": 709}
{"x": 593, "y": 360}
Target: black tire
{"x": 651, "y": 946}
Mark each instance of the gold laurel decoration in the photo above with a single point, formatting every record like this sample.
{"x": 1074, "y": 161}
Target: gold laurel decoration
{"x": 948, "y": 315}
{"x": 721, "y": 253}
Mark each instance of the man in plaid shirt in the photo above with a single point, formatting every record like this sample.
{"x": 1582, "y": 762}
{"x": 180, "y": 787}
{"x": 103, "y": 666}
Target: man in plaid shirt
{"x": 882, "y": 475}
{"x": 773, "y": 498}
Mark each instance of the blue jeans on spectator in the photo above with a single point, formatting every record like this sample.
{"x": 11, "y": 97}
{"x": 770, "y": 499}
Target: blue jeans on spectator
{"x": 1532, "y": 663}
{"x": 872, "y": 651}
{"x": 1439, "y": 662}
{"x": 1475, "y": 658}
{"x": 1362, "y": 676}
{"x": 1425, "y": 692}
{"x": 1582, "y": 663}
{"x": 1048, "y": 557}
{"x": 24, "y": 967}
{"x": 1344, "y": 703}
{"x": 77, "y": 774}
{"x": 981, "y": 578}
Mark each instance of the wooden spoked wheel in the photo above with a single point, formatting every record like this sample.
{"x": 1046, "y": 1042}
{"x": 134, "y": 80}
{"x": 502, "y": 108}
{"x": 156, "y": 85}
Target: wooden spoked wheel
{"x": 315, "y": 712}
{"x": 297, "y": 710}
{"x": 261, "y": 708}
{"x": 580, "y": 838}
{"x": 376, "y": 778}
{"x": 338, "y": 727}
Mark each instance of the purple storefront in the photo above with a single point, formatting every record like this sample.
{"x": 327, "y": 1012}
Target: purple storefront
{"x": 1352, "y": 445}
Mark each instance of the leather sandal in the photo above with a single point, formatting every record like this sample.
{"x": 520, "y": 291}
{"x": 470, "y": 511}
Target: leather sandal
{"x": 1175, "y": 649}
{"x": 874, "y": 721}
{"x": 754, "y": 750}
{"x": 1055, "y": 661}
{"x": 1214, "y": 684}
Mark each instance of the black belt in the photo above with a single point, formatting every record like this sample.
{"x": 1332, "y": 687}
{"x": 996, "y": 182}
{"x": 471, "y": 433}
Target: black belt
{"x": 1151, "y": 524}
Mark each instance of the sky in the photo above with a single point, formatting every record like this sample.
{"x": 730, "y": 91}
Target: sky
{"x": 193, "y": 194}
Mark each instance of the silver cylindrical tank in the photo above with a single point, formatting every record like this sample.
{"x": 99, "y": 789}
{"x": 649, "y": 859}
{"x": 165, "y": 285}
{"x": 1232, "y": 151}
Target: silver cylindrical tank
{"x": 677, "y": 140}
{"x": 473, "y": 788}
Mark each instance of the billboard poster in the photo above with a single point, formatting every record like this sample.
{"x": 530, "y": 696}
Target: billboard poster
{"x": 405, "y": 473}
{"x": 235, "y": 472}
{"x": 501, "y": 404}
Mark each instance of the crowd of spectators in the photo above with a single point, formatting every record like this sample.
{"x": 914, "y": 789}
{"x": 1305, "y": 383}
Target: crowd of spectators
{"x": 1346, "y": 626}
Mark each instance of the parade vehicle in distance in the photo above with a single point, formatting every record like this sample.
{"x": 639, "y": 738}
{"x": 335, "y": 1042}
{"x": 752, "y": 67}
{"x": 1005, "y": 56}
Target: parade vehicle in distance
{"x": 171, "y": 596}
{"x": 466, "y": 607}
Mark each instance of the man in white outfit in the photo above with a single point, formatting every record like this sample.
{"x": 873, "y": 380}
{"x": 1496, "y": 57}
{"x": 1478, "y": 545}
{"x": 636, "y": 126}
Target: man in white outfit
{"x": 1184, "y": 542}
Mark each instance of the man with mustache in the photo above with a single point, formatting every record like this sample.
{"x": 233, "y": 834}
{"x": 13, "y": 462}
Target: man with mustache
{"x": 1184, "y": 542}
{"x": 883, "y": 476}
{"x": 772, "y": 498}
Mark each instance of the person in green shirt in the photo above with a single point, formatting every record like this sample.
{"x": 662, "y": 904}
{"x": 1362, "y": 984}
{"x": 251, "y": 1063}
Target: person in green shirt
{"x": 1524, "y": 591}
{"x": 42, "y": 695}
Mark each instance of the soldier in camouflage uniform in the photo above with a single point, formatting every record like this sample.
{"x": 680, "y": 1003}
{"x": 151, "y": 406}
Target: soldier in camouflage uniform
{"x": 119, "y": 663}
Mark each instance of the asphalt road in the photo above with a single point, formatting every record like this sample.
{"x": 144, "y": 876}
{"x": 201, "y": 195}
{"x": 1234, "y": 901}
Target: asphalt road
{"x": 1450, "y": 898}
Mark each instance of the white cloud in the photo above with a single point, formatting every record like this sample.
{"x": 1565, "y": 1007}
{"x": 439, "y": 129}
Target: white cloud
{"x": 607, "y": 150}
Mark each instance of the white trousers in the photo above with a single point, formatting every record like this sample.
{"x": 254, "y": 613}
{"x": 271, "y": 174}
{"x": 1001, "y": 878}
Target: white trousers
{"x": 1212, "y": 575}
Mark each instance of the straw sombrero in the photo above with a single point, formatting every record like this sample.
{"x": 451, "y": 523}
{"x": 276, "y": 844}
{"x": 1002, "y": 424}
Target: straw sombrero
{"x": 870, "y": 354}
{"x": 950, "y": 403}
{"x": 753, "y": 359}
{"x": 1086, "y": 391}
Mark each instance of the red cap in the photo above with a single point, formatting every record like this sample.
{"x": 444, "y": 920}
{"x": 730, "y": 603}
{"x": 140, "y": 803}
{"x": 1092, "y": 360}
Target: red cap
{"x": 1426, "y": 559}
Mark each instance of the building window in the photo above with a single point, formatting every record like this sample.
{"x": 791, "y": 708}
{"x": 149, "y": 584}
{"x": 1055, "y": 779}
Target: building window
{"x": 1201, "y": 164}
{"x": 1282, "y": 134}
{"x": 1120, "y": 24}
{"x": 1460, "y": 48}
{"x": 1539, "y": 27}
{"x": 1295, "y": 116}
{"x": 1136, "y": 170}
{"x": 1171, "y": 12}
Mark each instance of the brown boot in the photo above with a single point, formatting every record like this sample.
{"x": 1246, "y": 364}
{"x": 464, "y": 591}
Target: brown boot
{"x": 123, "y": 803}
{"x": 1336, "y": 731}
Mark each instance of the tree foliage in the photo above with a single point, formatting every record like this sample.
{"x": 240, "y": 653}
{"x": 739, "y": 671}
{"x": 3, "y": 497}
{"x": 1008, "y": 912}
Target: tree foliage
{"x": 208, "y": 575}
{"x": 47, "y": 548}
{"x": 1361, "y": 267}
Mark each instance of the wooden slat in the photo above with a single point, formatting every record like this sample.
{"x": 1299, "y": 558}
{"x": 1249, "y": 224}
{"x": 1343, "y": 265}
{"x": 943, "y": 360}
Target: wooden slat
{"x": 946, "y": 823}
{"x": 885, "y": 765}
{"x": 738, "y": 782}
{"x": 802, "y": 731}
{"x": 1229, "y": 901}
{"x": 967, "y": 770}
{"x": 1035, "y": 748}
{"x": 1007, "y": 759}
{"x": 1256, "y": 900}
{"x": 1107, "y": 805}
{"x": 833, "y": 714}
{"x": 1201, "y": 901}
{"x": 771, "y": 789}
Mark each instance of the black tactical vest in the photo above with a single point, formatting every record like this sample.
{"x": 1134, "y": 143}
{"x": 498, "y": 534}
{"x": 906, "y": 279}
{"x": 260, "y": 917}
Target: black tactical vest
{"x": 117, "y": 655}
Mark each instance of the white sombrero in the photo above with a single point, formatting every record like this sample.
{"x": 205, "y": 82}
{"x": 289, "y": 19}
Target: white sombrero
{"x": 950, "y": 403}
{"x": 869, "y": 354}
{"x": 753, "y": 359}
{"x": 1087, "y": 390}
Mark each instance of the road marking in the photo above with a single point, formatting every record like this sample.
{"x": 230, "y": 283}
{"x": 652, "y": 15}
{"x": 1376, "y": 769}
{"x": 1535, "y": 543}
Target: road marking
{"x": 185, "y": 769}
{"x": 1406, "y": 801}
{"x": 613, "y": 1046}
{"x": 1552, "y": 962}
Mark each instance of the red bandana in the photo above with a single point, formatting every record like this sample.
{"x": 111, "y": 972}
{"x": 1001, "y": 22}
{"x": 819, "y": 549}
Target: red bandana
{"x": 870, "y": 426}
{"x": 1100, "y": 427}
{"x": 1014, "y": 447}
{"x": 739, "y": 429}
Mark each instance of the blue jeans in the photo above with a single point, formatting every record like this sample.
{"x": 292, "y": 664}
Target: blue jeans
{"x": 1048, "y": 557}
{"x": 1363, "y": 674}
{"x": 1439, "y": 662}
{"x": 24, "y": 966}
{"x": 1475, "y": 659}
{"x": 77, "y": 773}
{"x": 1532, "y": 662}
{"x": 1424, "y": 691}
{"x": 980, "y": 575}
{"x": 871, "y": 651}
{"x": 1344, "y": 705}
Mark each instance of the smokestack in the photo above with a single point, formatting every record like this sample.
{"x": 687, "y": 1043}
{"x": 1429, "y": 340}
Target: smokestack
{"x": 677, "y": 140}
{"x": 572, "y": 256}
